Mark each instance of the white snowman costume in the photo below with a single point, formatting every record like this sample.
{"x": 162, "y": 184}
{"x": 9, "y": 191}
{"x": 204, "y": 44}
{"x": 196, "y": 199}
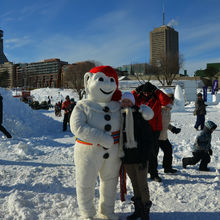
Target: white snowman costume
{"x": 95, "y": 122}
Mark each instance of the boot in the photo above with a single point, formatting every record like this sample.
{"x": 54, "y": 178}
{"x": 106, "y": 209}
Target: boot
{"x": 204, "y": 169}
{"x": 137, "y": 209}
{"x": 169, "y": 170}
{"x": 145, "y": 211}
{"x": 184, "y": 164}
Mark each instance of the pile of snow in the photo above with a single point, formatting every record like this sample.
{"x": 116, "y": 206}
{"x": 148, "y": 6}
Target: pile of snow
{"x": 22, "y": 121}
{"x": 179, "y": 104}
{"x": 57, "y": 95}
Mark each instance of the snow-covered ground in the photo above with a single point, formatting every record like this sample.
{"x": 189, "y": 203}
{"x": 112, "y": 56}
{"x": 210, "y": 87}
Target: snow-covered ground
{"x": 37, "y": 173}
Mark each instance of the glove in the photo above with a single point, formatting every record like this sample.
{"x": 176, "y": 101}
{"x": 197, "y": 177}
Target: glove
{"x": 148, "y": 87}
{"x": 175, "y": 130}
{"x": 210, "y": 152}
{"x": 139, "y": 89}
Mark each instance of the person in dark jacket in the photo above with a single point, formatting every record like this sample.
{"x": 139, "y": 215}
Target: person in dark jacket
{"x": 66, "y": 108}
{"x": 202, "y": 148}
{"x": 2, "y": 129}
{"x": 200, "y": 112}
{"x": 137, "y": 144}
{"x": 148, "y": 94}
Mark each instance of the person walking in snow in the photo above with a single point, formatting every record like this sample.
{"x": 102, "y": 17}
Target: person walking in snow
{"x": 150, "y": 95}
{"x": 2, "y": 128}
{"x": 66, "y": 108}
{"x": 95, "y": 122}
{"x": 200, "y": 112}
{"x": 137, "y": 143}
{"x": 202, "y": 148}
{"x": 164, "y": 142}
{"x": 57, "y": 109}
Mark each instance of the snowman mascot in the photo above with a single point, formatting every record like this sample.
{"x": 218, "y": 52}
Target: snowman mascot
{"x": 95, "y": 122}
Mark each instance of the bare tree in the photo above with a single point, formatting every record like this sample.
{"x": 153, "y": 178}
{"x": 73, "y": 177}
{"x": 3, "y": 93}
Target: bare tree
{"x": 73, "y": 76}
{"x": 167, "y": 68}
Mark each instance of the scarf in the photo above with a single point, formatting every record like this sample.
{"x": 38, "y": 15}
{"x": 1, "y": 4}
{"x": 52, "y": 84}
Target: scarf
{"x": 129, "y": 130}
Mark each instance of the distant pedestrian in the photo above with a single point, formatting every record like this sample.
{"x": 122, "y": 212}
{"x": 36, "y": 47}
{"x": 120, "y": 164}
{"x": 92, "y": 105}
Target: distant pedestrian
{"x": 200, "y": 112}
{"x": 57, "y": 109}
{"x": 201, "y": 148}
{"x": 66, "y": 108}
{"x": 2, "y": 129}
{"x": 49, "y": 101}
{"x": 72, "y": 105}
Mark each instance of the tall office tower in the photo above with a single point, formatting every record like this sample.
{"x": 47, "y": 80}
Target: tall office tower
{"x": 164, "y": 41}
{"x": 3, "y": 58}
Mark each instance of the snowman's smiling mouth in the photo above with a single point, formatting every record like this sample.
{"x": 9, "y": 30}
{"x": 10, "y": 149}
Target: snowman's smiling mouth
{"x": 107, "y": 93}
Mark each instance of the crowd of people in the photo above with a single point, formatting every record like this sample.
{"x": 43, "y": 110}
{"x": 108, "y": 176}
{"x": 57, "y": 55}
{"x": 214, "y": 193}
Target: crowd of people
{"x": 141, "y": 129}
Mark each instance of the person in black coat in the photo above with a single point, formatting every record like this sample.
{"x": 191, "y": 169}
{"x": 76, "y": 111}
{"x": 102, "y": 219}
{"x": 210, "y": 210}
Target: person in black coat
{"x": 137, "y": 144}
{"x": 200, "y": 112}
{"x": 2, "y": 129}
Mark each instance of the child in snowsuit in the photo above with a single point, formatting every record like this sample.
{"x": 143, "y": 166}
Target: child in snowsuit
{"x": 137, "y": 144}
{"x": 202, "y": 148}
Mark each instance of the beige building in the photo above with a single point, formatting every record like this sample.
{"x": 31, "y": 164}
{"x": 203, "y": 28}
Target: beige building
{"x": 46, "y": 73}
{"x": 163, "y": 41}
{"x": 7, "y": 74}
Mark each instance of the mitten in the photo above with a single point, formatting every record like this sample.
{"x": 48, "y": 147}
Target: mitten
{"x": 175, "y": 130}
{"x": 139, "y": 89}
{"x": 210, "y": 152}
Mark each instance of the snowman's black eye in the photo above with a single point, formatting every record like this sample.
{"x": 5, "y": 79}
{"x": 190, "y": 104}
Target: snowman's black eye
{"x": 112, "y": 80}
{"x": 101, "y": 79}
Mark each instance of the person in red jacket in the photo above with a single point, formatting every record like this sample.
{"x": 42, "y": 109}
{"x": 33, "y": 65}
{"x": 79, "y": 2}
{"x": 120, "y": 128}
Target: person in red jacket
{"x": 150, "y": 95}
{"x": 66, "y": 108}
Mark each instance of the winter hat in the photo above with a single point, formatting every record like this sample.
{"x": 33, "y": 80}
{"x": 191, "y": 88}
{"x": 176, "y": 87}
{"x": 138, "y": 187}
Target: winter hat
{"x": 128, "y": 95}
{"x": 210, "y": 125}
{"x": 110, "y": 72}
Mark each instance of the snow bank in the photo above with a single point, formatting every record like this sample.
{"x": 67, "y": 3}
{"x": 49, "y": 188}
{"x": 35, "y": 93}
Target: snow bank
{"x": 22, "y": 121}
{"x": 57, "y": 95}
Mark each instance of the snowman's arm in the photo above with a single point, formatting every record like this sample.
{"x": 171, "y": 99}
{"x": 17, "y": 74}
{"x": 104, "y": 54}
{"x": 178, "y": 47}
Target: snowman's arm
{"x": 81, "y": 129}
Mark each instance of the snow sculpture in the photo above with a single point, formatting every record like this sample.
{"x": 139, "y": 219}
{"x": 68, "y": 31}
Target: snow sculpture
{"x": 95, "y": 122}
{"x": 179, "y": 103}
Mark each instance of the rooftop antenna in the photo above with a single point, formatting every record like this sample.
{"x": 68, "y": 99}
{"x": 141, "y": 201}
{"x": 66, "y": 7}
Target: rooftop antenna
{"x": 163, "y": 14}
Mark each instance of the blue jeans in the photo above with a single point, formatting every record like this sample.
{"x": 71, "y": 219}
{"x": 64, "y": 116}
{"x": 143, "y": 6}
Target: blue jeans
{"x": 200, "y": 121}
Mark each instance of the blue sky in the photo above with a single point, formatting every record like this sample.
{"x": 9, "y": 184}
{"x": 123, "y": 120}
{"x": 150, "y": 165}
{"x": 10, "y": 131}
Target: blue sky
{"x": 113, "y": 32}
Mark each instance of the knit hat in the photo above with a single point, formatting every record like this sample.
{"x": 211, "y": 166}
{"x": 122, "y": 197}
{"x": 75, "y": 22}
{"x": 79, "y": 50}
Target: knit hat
{"x": 110, "y": 72}
{"x": 210, "y": 125}
{"x": 128, "y": 95}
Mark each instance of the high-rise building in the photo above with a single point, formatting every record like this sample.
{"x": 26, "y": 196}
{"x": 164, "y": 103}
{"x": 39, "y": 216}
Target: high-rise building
{"x": 3, "y": 58}
{"x": 164, "y": 41}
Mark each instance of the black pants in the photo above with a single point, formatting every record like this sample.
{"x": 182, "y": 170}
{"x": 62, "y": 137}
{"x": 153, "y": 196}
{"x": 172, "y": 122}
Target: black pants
{"x": 166, "y": 147}
{"x": 65, "y": 121}
{"x": 5, "y": 132}
{"x": 153, "y": 163}
{"x": 197, "y": 156}
{"x": 200, "y": 121}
